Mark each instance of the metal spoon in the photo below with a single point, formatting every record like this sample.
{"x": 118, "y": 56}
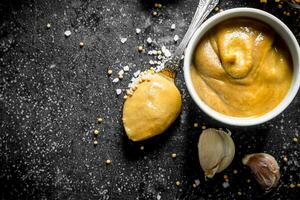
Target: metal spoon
{"x": 170, "y": 65}
{"x": 147, "y": 106}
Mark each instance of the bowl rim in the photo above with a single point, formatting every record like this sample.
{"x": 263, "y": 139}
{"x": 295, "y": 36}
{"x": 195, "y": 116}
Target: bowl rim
{"x": 280, "y": 28}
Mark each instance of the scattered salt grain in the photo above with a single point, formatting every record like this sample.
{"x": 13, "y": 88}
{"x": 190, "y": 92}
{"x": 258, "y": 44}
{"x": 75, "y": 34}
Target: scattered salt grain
{"x": 151, "y": 62}
{"x": 121, "y": 72}
{"x": 160, "y": 57}
{"x": 115, "y": 80}
{"x": 118, "y": 91}
{"x": 123, "y": 40}
{"x": 225, "y": 185}
{"x": 126, "y": 68}
{"x": 52, "y": 66}
{"x": 197, "y": 182}
{"x": 165, "y": 51}
{"x": 176, "y": 38}
{"x": 67, "y": 33}
{"x": 149, "y": 40}
{"x": 158, "y": 197}
{"x": 138, "y": 31}
{"x": 154, "y": 52}
{"x": 173, "y": 26}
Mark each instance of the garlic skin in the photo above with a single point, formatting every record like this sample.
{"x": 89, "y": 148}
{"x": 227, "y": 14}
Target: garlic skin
{"x": 265, "y": 169}
{"x": 216, "y": 151}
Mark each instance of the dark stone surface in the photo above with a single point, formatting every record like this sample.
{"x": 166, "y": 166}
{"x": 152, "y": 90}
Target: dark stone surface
{"x": 52, "y": 91}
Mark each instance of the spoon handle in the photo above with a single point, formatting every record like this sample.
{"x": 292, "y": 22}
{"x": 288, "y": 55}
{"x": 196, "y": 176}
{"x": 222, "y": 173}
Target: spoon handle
{"x": 203, "y": 10}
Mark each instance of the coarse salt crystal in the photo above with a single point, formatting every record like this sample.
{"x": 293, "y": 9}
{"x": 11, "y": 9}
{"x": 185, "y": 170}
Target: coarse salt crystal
{"x": 118, "y": 91}
{"x": 176, "y": 38}
{"x": 123, "y": 40}
{"x": 160, "y": 67}
{"x": 165, "y": 51}
{"x": 115, "y": 80}
{"x": 67, "y": 33}
{"x": 197, "y": 182}
{"x": 151, "y": 62}
{"x": 126, "y": 68}
{"x": 173, "y": 26}
{"x": 149, "y": 40}
{"x": 225, "y": 185}
{"x": 52, "y": 66}
{"x": 138, "y": 31}
{"x": 121, "y": 72}
{"x": 158, "y": 197}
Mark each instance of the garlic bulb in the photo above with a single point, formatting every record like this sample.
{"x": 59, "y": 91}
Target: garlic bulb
{"x": 216, "y": 151}
{"x": 265, "y": 169}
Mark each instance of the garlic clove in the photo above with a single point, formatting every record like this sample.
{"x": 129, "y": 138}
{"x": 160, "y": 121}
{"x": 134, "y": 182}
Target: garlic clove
{"x": 229, "y": 151}
{"x": 216, "y": 151}
{"x": 265, "y": 169}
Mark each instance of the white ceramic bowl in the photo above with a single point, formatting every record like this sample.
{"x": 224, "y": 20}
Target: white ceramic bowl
{"x": 280, "y": 28}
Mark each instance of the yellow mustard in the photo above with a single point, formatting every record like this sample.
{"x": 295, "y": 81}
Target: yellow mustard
{"x": 152, "y": 108}
{"x": 242, "y": 68}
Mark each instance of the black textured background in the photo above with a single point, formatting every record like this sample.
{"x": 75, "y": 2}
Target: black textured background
{"x": 52, "y": 91}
